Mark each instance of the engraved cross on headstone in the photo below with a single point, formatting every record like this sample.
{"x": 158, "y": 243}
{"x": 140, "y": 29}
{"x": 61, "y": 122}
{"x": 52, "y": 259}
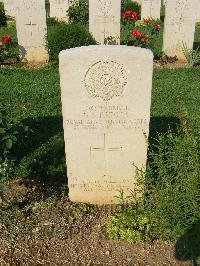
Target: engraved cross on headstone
{"x": 105, "y": 16}
{"x": 105, "y": 149}
{"x": 31, "y": 24}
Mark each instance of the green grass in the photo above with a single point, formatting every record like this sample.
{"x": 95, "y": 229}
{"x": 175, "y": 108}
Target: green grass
{"x": 33, "y": 98}
{"x": 11, "y": 31}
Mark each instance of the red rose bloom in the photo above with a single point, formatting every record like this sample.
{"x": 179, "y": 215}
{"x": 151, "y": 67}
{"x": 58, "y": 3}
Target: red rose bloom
{"x": 157, "y": 26}
{"x": 139, "y": 35}
{"x": 6, "y": 39}
{"x": 133, "y": 16}
{"x": 130, "y": 14}
{"x": 136, "y": 33}
{"x": 146, "y": 21}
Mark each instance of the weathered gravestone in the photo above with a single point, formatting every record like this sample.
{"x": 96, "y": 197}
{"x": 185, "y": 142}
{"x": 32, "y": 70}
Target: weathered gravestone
{"x": 31, "y": 30}
{"x": 106, "y": 96}
{"x": 58, "y": 9}
{"x": 198, "y": 10}
{"x": 150, "y": 9}
{"x": 9, "y": 6}
{"x": 104, "y": 19}
{"x": 179, "y": 27}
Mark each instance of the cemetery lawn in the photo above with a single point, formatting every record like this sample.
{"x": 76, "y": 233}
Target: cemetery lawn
{"x": 38, "y": 223}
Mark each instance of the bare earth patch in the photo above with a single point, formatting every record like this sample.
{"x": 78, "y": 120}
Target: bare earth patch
{"x": 41, "y": 229}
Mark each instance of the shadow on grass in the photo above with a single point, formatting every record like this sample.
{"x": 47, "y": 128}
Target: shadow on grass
{"x": 161, "y": 125}
{"x": 188, "y": 246}
{"x": 39, "y": 132}
{"x": 41, "y": 156}
{"x": 196, "y": 45}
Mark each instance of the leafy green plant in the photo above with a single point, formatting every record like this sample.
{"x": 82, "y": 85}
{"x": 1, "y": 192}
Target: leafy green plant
{"x": 192, "y": 56}
{"x": 172, "y": 193}
{"x": 3, "y": 20}
{"x": 110, "y": 40}
{"x": 67, "y": 36}
{"x": 54, "y": 22}
{"x": 143, "y": 33}
{"x": 10, "y": 129}
{"x": 7, "y": 51}
{"x": 79, "y": 12}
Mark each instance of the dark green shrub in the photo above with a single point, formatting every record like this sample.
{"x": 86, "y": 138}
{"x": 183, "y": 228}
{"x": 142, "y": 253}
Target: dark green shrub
{"x": 67, "y": 36}
{"x": 79, "y": 12}
{"x": 54, "y": 22}
{"x": 3, "y": 20}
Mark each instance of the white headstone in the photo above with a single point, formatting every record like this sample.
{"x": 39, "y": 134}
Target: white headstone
{"x": 106, "y": 97}
{"x": 179, "y": 27}
{"x": 104, "y": 19}
{"x": 9, "y": 6}
{"x": 150, "y": 9}
{"x": 58, "y": 9}
{"x": 198, "y": 10}
{"x": 32, "y": 30}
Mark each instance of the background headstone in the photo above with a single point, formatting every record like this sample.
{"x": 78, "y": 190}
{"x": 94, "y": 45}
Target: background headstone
{"x": 150, "y": 9}
{"x": 179, "y": 27}
{"x": 198, "y": 10}
{"x": 32, "y": 30}
{"x": 58, "y": 9}
{"x": 9, "y": 6}
{"x": 104, "y": 19}
{"x": 106, "y": 97}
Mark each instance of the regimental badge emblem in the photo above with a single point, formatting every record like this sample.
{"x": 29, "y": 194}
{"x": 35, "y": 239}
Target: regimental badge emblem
{"x": 106, "y": 79}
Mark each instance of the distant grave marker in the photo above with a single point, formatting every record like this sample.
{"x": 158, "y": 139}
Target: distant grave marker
{"x": 150, "y": 9}
{"x": 179, "y": 27}
{"x": 32, "y": 30}
{"x": 104, "y": 19}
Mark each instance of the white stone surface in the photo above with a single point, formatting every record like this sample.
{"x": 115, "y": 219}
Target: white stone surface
{"x": 198, "y": 10}
{"x": 31, "y": 30}
{"x": 106, "y": 97}
{"x": 179, "y": 27}
{"x": 58, "y": 9}
{"x": 150, "y": 9}
{"x": 9, "y": 6}
{"x": 104, "y": 19}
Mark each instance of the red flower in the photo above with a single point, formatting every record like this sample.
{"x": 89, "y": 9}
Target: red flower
{"x": 136, "y": 33}
{"x": 139, "y": 35}
{"x": 146, "y": 21}
{"x": 157, "y": 26}
{"x": 130, "y": 14}
{"x": 144, "y": 38}
{"x": 6, "y": 39}
{"x": 133, "y": 16}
